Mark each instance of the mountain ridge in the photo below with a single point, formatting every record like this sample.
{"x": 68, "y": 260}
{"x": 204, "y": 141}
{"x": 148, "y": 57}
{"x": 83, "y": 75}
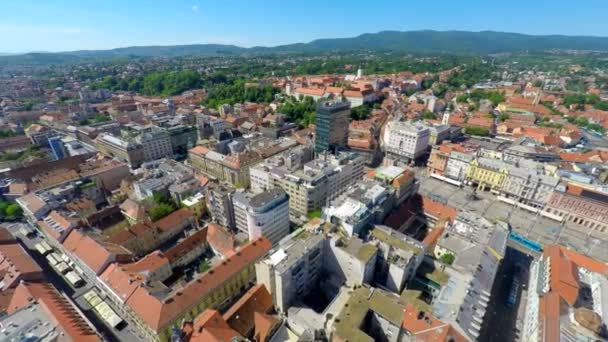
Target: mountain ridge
{"x": 421, "y": 41}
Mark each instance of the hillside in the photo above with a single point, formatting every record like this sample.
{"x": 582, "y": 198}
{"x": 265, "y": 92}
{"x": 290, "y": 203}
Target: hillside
{"x": 451, "y": 42}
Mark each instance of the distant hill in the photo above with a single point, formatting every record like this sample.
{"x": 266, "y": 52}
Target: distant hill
{"x": 427, "y": 41}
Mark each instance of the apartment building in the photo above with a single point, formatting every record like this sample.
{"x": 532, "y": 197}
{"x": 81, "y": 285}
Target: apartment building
{"x": 219, "y": 204}
{"x": 264, "y": 214}
{"x": 315, "y": 184}
{"x": 314, "y": 263}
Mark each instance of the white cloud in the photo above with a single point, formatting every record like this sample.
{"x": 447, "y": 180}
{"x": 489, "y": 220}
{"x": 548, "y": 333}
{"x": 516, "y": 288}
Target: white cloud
{"x": 195, "y": 8}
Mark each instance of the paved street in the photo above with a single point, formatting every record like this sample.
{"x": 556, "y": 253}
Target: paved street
{"x": 499, "y": 314}
{"x": 534, "y": 227}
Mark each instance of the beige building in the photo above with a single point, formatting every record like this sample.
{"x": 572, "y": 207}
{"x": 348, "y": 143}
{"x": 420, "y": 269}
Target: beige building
{"x": 233, "y": 168}
{"x": 312, "y": 186}
{"x": 125, "y": 151}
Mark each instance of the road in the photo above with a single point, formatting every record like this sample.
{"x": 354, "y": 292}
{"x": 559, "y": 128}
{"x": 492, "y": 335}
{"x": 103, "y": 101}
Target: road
{"x": 75, "y": 294}
{"x": 499, "y": 314}
{"x": 530, "y": 225}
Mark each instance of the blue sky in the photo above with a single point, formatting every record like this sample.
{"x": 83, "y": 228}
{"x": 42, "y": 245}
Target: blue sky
{"x": 64, "y": 25}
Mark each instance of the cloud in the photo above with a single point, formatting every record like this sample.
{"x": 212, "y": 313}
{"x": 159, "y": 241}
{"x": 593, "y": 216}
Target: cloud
{"x": 195, "y": 8}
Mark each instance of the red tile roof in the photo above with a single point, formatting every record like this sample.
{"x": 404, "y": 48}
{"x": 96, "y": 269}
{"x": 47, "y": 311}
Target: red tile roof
{"x": 220, "y": 239}
{"x": 424, "y": 327}
{"x": 16, "y": 265}
{"x": 57, "y": 307}
{"x": 240, "y": 316}
{"x": 188, "y": 244}
{"x": 441, "y": 211}
{"x": 6, "y": 237}
{"x": 311, "y": 91}
{"x": 157, "y": 313}
{"x": 95, "y": 254}
{"x": 175, "y": 219}
{"x": 209, "y": 326}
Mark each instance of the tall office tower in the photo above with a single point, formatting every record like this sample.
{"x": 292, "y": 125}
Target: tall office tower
{"x": 332, "y": 126}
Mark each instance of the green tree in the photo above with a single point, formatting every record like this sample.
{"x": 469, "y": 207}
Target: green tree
{"x": 428, "y": 115}
{"x": 503, "y": 117}
{"x": 480, "y": 131}
{"x": 447, "y": 258}
{"x": 13, "y": 210}
{"x": 204, "y": 266}
{"x": 160, "y": 211}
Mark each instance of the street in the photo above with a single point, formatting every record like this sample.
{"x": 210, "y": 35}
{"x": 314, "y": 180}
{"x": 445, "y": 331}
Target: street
{"x": 530, "y": 225}
{"x": 499, "y": 314}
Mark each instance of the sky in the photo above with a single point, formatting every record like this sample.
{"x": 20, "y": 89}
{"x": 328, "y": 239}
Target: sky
{"x": 66, "y": 25}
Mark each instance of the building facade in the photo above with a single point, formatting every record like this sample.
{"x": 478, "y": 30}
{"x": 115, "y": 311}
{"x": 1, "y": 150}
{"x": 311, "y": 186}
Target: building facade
{"x": 264, "y": 214}
{"x": 332, "y": 126}
{"x": 575, "y": 204}
{"x": 405, "y": 140}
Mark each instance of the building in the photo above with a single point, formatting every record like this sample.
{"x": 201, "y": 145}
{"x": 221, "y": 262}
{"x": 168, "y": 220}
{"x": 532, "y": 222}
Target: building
{"x": 40, "y": 312}
{"x": 527, "y": 185}
{"x": 39, "y": 134}
{"x": 370, "y": 314}
{"x": 156, "y": 143}
{"x": 439, "y": 133}
{"x": 34, "y": 207}
{"x": 182, "y": 139}
{"x": 250, "y": 317}
{"x": 362, "y": 204}
{"x": 405, "y": 140}
{"x": 398, "y": 259}
{"x": 58, "y": 148}
{"x": 331, "y": 126}
{"x": 92, "y": 255}
{"x": 156, "y": 309}
{"x": 16, "y": 265}
{"x": 127, "y": 152}
{"x": 196, "y": 204}
{"x": 232, "y": 168}
{"x": 573, "y": 203}
{"x": 457, "y": 165}
{"x": 312, "y": 264}
{"x": 401, "y": 179}
{"x": 313, "y": 186}
{"x": 162, "y": 176}
{"x": 219, "y": 204}
{"x": 263, "y": 214}
{"x": 566, "y": 298}
{"x": 487, "y": 173}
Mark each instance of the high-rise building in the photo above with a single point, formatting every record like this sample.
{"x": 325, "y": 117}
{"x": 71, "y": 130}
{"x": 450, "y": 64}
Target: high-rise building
{"x": 332, "y": 126}
{"x": 264, "y": 214}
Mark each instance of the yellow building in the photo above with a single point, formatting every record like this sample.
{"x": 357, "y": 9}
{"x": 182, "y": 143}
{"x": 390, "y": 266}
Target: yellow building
{"x": 196, "y": 204}
{"x": 486, "y": 173}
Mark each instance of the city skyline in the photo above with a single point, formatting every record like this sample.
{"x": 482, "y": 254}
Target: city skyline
{"x": 66, "y": 25}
